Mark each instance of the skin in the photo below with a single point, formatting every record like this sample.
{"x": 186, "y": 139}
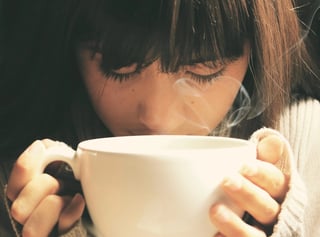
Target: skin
{"x": 153, "y": 102}
{"x": 150, "y": 102}
{"x": 259, "y": 189}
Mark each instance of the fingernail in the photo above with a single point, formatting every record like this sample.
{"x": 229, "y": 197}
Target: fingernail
{"x": 232, "y": 182}
{"x": 271, "y": 148}
{"x": 36, "y": 148}
{"x": 249, "y": 169}
{"x": 76, "y": 202}
{"x": 77, "y": 198}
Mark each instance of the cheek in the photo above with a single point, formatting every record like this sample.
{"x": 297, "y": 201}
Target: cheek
{"x": 116, "y": 107}
{"x": 108, "y": 103}
{"x": 113, "y": 104}
{"x": 214, "y": 102}
{"x": 114, "y": 101}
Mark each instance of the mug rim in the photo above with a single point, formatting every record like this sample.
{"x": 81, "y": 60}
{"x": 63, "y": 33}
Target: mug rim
{"x": 86, "y": 145}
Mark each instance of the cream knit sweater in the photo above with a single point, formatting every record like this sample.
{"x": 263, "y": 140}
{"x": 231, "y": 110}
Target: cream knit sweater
{"x": 300, "y": 212}
{"x": 300, "y": 124}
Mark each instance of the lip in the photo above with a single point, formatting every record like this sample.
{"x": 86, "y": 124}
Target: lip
{"x": 153, "y": 132}
{"x": 144, "y": 132}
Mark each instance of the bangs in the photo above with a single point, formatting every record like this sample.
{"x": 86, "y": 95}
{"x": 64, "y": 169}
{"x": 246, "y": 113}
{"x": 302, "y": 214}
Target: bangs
{"x": 175, "y": 32}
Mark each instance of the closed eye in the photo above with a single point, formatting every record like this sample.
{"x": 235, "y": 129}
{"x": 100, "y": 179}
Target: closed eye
{"x": 204, "y": 72}
{"x": 205, "y": 78}
{"x": 126, "y": 72}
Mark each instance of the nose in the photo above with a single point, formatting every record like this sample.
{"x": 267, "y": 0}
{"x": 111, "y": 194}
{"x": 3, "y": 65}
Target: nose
{"x": 159, "y": 108}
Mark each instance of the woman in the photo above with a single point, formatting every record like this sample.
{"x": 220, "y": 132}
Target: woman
{"x": 113, "y": 68}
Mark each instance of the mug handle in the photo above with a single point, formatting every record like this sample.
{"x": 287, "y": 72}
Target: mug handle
{"x": 62, "y": 153}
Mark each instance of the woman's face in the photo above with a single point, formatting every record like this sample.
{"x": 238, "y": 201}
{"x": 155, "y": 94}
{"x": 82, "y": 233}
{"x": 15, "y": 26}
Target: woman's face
{"x": 147, "y": 101}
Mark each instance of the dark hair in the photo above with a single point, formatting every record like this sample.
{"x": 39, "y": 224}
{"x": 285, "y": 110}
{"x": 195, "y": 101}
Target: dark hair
{"x": 47, "y": 87}
{"x": 175, "y": 32}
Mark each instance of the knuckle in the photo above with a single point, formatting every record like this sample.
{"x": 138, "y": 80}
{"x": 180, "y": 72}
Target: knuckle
{"x": 29, "y": 232}
{"x": 270, "y": 214}
{"x": 52, "y": 183}
{"x": 276, "y": 187}
{"x": 48, "y": 142}
{"x": 280, "y": 188}
{"x": 11, "y": 194}
{"x": 54, "y": 201}
{"x": 21, "y": 166}
{"x": 17, "y": 212}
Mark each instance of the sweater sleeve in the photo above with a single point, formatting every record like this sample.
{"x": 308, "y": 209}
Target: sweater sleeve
{"x": 300, "y": 124}
{"x": 290, "y": 219}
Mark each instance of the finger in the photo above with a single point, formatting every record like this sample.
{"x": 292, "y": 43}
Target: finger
{"x": 71, "y": 214}
{"x": 45, "y": 216}
{"x": 267, "y": 177}
{"x": 27, "y": 166}
{"x": 251, "y": 198}
{"x": 230, "y": 224}
{"x": 24, "y": 169}
{"x": 270, "y": 149}
{"x": 31, "y": 195}
{"x": 49, "y": 143}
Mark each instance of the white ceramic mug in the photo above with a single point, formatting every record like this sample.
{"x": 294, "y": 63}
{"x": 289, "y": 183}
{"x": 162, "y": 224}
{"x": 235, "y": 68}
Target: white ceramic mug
{"x": 154, "y": 185}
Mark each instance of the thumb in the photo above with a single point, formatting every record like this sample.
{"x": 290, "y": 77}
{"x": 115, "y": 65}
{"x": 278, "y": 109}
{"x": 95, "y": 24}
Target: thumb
{"x": 270, "y": 149}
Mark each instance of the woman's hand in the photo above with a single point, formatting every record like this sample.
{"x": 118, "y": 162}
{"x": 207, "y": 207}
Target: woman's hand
{"x": 35, "y": 203}
{"x": 259, "y": 189}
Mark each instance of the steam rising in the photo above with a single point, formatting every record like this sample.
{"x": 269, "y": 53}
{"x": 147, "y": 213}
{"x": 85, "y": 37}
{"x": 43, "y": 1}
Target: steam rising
{"x": 225, "y": 88}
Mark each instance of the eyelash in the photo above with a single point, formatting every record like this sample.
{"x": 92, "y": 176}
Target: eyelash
{"x": 120, "y": 77}
{"x": 206, "y": 78}
{"x": 198, "y": 78}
